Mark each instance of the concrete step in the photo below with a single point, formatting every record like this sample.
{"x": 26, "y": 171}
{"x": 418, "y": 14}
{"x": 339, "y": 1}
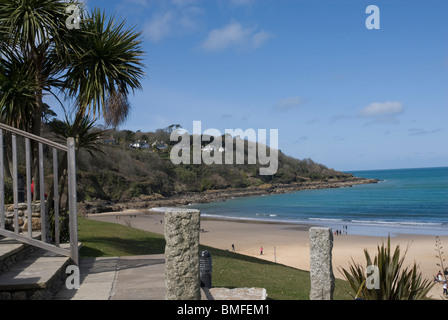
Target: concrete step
{"x": 27, "y": 272}
{"x": 12, "y": 251}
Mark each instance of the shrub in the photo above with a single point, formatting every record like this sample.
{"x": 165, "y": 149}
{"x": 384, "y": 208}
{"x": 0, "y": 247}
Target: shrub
{"x": 8, "y": 190}
{"x": 395, "y": 282}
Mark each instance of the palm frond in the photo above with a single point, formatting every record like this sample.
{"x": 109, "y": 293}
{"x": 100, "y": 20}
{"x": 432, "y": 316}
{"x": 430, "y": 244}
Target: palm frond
{"x": 32, "y": 23}
{"x": 105, "y": 61}
{"x": 17, "y": 91}
{"x": 83, "y": 129}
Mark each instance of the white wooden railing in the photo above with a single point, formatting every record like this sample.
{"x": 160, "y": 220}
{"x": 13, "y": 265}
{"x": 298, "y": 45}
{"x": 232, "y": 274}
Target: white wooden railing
{"x": 27, "y": 237}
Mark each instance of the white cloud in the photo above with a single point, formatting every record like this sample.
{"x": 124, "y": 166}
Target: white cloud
{"x": 188, "y": 18}
{"x": 159, "y": 27}
{"x": 385, "y": 112}
{"x": 236, "y": 36}
{"x": 260, "y": 38}
{"x": 289, "y": 103}
{"x": 178, "y": 19}
{"x": 381, "y": 109}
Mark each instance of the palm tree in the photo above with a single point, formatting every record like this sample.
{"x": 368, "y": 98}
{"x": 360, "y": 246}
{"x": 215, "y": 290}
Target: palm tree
{"x": 82, "y": 128}
{"x": 105, "y": 65}
{"x": 97, "y": 65}
{"x": 17, "y": 92}
{"x": 31, "y": 30}
{"x": 17, "y": 84}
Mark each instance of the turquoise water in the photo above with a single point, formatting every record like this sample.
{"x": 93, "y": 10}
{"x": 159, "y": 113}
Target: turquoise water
{"x": 413, "y": 201}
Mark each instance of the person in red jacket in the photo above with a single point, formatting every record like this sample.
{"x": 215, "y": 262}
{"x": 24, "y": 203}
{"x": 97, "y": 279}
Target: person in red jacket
{"x": 32, "y": 190}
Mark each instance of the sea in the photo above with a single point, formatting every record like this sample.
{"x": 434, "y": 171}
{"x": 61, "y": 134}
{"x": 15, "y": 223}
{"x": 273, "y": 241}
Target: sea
{"x": 405, "y": 201}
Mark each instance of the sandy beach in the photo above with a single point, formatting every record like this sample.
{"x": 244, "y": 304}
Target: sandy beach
{"x": 288, "y": 244}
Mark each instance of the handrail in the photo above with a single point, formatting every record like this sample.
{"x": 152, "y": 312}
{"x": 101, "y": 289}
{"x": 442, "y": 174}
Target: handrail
{"x": 34, "y": 137}
{"x": 72, "y": 199}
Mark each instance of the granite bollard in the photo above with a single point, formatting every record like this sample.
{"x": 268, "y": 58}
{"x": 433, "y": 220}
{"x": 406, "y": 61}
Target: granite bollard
{"x": 182, "y": 254}
{"x": 321, "y": 267}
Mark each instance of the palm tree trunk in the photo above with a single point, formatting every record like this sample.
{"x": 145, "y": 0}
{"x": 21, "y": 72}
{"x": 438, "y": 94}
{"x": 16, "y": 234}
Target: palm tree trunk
{"x": 62, "y": 177}
{"x": 36, "y": 129}
{"x": 8, "y": 154}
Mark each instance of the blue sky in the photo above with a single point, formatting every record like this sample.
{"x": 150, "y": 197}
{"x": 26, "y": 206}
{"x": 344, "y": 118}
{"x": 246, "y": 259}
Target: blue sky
{"x": 343, "y": 95}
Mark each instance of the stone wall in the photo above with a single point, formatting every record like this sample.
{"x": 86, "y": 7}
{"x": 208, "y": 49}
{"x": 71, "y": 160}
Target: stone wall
{"x": 23, "y": 216}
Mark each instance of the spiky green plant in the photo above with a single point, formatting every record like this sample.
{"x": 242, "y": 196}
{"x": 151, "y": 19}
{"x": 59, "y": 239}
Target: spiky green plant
{"x": 396, "y": 282}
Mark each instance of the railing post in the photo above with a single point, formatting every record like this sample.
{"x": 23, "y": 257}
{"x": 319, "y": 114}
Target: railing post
{"x": 72, "y": 201}
{"x": 56, "y": 196}
{"x": 2, "y": 185}
{"x": 73, "y": 253}
{"x": 14, "y": 183}
{"x": 43, "y": 212}
{"x": 28, "y": 187}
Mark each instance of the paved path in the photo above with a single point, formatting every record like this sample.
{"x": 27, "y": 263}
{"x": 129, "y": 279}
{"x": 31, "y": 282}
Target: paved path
{"x": 119, "y": 278}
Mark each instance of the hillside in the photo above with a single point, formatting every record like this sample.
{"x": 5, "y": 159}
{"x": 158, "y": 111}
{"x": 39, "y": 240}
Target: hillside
{"x": 126, "y": 169}
{"x": 137, "y": 165}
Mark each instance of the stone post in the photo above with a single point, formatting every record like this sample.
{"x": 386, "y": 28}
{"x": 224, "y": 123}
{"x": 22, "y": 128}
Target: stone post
{"x": 321, "y": 268}
{"x": 182, "y": 254}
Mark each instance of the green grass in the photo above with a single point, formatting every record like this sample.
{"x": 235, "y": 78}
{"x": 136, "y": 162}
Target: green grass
{"x": 103, "y": 239}
{"x": 230, "y": 270}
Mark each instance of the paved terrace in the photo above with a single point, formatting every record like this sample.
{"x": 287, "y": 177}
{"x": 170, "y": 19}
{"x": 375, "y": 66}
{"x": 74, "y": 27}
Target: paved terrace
{"x": 119, "y": 278}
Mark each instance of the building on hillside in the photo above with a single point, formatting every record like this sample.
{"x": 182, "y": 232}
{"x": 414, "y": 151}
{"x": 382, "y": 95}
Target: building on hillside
{"x": 160, "y": 145}
{"x": 139, "y": 145}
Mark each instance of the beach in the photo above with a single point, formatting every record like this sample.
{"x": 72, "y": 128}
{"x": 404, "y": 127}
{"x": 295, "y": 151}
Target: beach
{"x": 288, "y": 244}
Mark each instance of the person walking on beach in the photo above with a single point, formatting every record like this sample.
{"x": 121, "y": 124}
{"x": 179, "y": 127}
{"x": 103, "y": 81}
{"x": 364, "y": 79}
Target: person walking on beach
{"x": 261, "y": 250}
{"x": 445, "y": 287}
{"x": 233, "y": 247}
